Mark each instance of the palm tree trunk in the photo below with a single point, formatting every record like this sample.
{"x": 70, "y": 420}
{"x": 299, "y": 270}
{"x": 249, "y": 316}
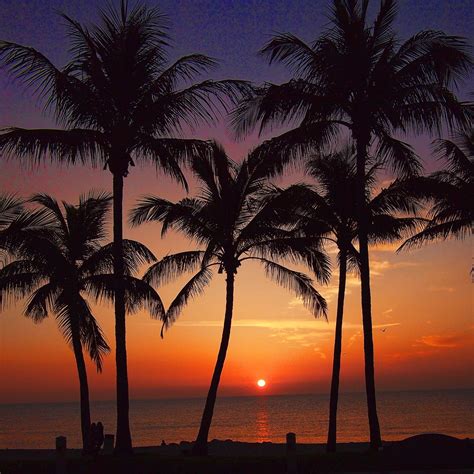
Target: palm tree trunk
{"x": 83, "y": 385}
{"x": 123, "y": 443}
{"x": 336, "y": 364}
{"x": 375, "y": 439}
{"x": 200, "y": 446}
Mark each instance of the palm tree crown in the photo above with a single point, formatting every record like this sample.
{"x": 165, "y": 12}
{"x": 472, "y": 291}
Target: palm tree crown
{"x": 450, "y": 191}
{"x": 233, "y": 224}
{"x": 60, "y": 264}
{"x": 330, "y": 209}
{"x": 118, "y": 98}
{"x": 361, "y": 77}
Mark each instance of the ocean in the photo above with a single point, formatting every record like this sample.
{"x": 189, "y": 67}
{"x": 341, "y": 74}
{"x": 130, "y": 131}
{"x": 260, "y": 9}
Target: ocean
{"x": 253, "y": 419}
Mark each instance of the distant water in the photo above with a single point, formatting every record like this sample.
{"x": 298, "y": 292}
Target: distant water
{"x": 254, "y": 419}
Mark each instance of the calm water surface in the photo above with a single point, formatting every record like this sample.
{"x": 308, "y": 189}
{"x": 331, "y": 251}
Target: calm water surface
{"x": 256, "y": 419}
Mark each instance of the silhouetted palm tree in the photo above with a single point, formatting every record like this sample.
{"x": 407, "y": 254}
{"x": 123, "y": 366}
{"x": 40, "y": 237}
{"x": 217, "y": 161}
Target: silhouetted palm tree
{"x": 118, "y": 100}
{"x": 450, "y": 190}
{"x": 61, "y": 264}
{"x": 329, "y": 212}
{"x": 360, "y": 77}
{"x": 236, "y": 220}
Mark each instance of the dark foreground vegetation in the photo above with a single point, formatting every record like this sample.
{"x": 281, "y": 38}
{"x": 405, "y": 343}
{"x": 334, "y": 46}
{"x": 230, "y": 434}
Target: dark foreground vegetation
{"x": 425, "y": 453}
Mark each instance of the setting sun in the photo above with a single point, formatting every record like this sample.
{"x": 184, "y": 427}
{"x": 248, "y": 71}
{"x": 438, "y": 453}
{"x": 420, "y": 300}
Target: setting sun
{"x": 261, "y": 383}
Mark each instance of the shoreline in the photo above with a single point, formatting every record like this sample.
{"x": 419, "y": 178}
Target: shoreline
{"x": 229, "y": 448}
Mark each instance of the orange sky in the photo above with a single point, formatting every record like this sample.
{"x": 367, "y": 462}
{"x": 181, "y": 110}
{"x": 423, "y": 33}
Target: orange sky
{"x": 422, "y": 298}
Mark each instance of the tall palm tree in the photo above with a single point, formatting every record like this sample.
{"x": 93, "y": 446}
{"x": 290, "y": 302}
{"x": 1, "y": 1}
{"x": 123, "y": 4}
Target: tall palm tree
{"x": 450, "y": 190}
{"x": 329, "y": 212}
{"x": 118, "y": 100}
{"x": 60, "y": 265}
{"x": 234, "y": 222}
{"x": 358, "y": 76}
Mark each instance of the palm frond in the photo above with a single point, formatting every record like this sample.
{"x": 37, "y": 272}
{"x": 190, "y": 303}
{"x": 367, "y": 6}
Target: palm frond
{"x": 11, "y": 207}
{"x": 399, "y": 155}
{"x": 139, "y": 295}
{"x": 41, "y": 302}
{"x": 173, "y": 266}
{"x": 194, "y": 287}
{"x": 458, "y": 228}
{"x": 300, "y": 284}
{"x": 135, "y": 255}
{"x": 62, "y": 146}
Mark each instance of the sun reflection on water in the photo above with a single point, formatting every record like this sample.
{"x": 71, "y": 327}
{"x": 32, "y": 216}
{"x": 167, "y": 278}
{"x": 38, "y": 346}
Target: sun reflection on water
{"x": 263, "y": 429}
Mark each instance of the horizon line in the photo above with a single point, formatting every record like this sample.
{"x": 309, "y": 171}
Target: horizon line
{"x": 262, "y": 395}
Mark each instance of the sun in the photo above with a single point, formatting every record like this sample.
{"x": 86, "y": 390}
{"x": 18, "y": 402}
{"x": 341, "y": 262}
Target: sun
{"x": 261, "y": 383}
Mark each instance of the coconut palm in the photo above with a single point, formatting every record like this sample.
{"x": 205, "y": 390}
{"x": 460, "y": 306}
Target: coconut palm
{"x": 234, "y": 221}
{"x": 359, "y": 77}
{"x": 329, "y": 212}
{"x": 118, "y": 100}
{"x": 61, "y": 265}
{"x": 450, "y": 190}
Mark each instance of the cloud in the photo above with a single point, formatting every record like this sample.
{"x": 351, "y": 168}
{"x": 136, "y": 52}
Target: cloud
{"x": 320, "y": 353}
{"x": 278, "y": 324}
{"x": 447, "y": 341}
{"x": 378, "y": 267}
{"x": 354, "y": 338}
{"x": 288, "y": 323}
{"x": 385, "y": 247}
{"x": 296, "y": 303}
{"x": 330, "y": 292}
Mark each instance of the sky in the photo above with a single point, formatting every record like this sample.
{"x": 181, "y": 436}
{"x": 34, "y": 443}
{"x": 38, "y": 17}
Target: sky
{"x": 422, "y": 299}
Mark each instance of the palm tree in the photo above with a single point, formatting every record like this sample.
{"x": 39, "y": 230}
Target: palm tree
{"x": 329, "y": 212}
{"x": 359, "y": 77}
{"x": 450, "y": 190}
{"x": 61, "y": 264}
{"x": 118, "y": 100}
{"x": 234, "y": 222}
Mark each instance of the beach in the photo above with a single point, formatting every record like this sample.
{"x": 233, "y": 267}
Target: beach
{"x": 434, "y": 454}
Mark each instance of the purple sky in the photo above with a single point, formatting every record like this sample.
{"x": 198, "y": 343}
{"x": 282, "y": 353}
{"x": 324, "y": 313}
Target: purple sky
{"x": 231, "y": 31}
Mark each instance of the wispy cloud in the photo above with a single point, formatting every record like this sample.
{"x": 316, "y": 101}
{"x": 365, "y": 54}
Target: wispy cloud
{"x": 288, "y": 323}
{"x": 446, "y": 341}
{"x": 378, "y": 267}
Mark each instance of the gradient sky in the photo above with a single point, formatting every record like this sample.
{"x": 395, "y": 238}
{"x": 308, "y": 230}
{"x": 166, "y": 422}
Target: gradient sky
{"x": 423, "y": 298}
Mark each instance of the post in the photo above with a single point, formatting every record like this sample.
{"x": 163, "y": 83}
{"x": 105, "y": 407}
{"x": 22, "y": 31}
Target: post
{"x": 109, "y": 443}
{"x": 61, "y": 447}
{"x": 291, "y": 464}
